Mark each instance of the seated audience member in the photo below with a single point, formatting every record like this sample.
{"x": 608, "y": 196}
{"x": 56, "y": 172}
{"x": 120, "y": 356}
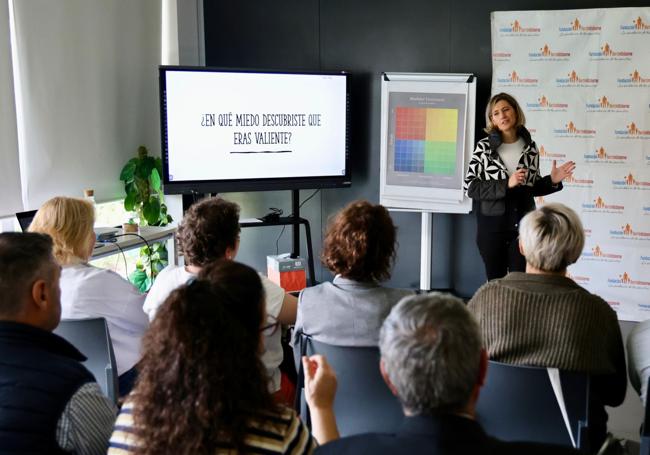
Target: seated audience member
{"x": 88, "y": 291}
{"x": 638, "y": 358}
{"x": 202, "y": 387}
{"x": 432, "y": 360}
{"x": 359, "y": 247}
{"x": 209, "y": 232}
{"x": 543, "y": 318}
{"x": 49, "y": 402}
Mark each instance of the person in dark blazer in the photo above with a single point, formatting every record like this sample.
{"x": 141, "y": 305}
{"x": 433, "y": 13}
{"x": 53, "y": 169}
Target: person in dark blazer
{"x": 432, "y": 359}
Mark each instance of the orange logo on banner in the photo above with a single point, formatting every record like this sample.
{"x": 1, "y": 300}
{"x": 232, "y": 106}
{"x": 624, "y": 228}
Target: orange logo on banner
{"x": 543, "y": 101}
{"x": 607, "y": 50}
{"x": 604, "y": 102}
{"x": 571, "y": 128}
{"x": 516, "y": 26}
{"x": 542, "y": 151}
{"x": 632, "y": 129}
{"x": 635, "y": 76}
{"x": 600, "y": 203}
{"x": 640, "y": 25}
{"x": 625, "y": 278}
{"x": 627, "y": 229}
{"x": 546, "y": 51}
{"x": 573, "y": 76}
{"x": 514, "y": 77}
{"x": 601, "y": 153}
{"x": 630, "y": 179}
{"x": 576, "y": 25}
{"x": 597, "y": 251}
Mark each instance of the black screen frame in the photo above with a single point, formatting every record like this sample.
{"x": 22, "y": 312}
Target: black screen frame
{"x": 244, "y": 185}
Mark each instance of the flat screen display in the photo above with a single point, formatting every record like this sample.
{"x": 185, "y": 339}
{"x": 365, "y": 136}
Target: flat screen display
{"x": 226, "y": 130}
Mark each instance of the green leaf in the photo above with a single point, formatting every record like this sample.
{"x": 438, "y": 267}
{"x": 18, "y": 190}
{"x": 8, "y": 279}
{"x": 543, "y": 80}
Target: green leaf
{"x": 158, "y": 266}
{"x": 140, "y": 279}
{"x": 151, "y": 211}
{"x": 159, "y": 165}
{"x": 155, "y": 180}
{"x": 127, "y": 171}
{"x": 129, "y": 202}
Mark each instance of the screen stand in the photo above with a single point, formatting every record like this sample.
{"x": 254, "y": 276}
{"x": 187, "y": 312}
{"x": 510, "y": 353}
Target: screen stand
{"x": 426, "y": 241}
{"x": 295, "y": 228}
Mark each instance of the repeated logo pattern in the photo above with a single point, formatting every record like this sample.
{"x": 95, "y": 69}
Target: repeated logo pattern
{"x": 582, "y": 78}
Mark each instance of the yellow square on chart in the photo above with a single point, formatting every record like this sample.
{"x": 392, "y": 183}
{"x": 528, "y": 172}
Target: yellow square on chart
{"x": 442, "y": 125}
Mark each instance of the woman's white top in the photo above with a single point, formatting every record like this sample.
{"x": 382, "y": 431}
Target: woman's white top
{"x": 89, "y": 292}
{"x": 173, "y": 276}
{"x": 510, "y": 154}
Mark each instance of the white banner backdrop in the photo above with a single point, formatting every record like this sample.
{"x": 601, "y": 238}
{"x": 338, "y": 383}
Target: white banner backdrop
{"x": 583, "y": 80}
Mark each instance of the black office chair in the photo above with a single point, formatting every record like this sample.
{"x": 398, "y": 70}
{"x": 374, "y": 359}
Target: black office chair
{"x": 363, "y": 403}
{"x": 645, "y": 429}
{"x": 92, "y": 339}
{"x": 517, "y": 403}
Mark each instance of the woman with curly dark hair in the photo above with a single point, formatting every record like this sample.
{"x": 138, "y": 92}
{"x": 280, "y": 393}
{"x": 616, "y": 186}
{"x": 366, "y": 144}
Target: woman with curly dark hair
{"x": 359, "y": 248}
{"x": 202, "y": 386}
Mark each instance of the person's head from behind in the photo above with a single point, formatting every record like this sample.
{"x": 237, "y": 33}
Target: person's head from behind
{"x": 551, "y": 238}
{"x": 431, "y": 355}
{"x": 29, "y": 280}
{"x": 360, "y": 242}
{"x": 503, "y": 112}
{"x": 69, "y": 221}
{"x": 209, "y": 231}
{"x": 201, "y": 376}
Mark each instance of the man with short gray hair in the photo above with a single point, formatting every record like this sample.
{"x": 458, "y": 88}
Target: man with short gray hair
{"x": 432, "y": 359}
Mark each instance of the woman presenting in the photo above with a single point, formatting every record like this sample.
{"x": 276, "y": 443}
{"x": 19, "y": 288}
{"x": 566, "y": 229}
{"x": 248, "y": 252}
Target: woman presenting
{"x": 503, "y": 176}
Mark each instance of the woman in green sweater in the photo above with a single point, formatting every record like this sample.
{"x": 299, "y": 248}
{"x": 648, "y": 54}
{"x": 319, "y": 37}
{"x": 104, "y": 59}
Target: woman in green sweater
{"x": 543, "y": 318}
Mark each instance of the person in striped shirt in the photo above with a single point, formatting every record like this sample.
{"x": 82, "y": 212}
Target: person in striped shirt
{"x": 202, "y": 386}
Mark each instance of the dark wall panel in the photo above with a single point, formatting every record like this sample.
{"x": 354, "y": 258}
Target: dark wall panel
{"x": 261, "y": 34}
{"x": 367, "y": 37}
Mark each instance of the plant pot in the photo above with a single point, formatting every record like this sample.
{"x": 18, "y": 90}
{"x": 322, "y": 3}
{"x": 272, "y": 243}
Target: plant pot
{"x": 130, "y": 228}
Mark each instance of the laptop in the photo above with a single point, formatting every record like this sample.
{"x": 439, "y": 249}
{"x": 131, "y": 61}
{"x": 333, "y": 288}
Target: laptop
{"x": 25, "y": 219}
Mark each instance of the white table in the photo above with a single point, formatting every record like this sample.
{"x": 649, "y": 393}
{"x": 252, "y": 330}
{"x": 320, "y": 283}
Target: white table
{"x": 129, "y": 241}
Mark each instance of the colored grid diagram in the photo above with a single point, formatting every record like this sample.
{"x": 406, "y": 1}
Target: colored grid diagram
{"x": 425, "y": 140}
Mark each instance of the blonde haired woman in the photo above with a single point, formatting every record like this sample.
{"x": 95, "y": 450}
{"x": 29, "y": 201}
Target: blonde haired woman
{"x": 88, "y": 291}
{"x": 503, "y": 177}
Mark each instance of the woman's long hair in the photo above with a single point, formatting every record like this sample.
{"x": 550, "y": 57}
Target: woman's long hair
{"x": 201, "y": 378}
{"x": 69, "y": 221}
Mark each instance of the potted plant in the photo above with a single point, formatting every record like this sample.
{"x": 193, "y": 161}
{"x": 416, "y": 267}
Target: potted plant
{"x": 130, "y": 227}
{"x": 144, "y": 196}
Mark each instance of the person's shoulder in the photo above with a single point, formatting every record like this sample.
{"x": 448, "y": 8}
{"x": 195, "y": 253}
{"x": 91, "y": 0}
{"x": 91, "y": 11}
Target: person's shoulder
{"x": 483, "y": 145}
{"x": 486, "y": 288}
{"x": 369, "y": 443}
{"x": 599, "y": 303}
{"x": 171, "y": 277}
{"x": 167, "y": 280}
{"x": 529, "y": 448}
{"x": 88, "y": 276}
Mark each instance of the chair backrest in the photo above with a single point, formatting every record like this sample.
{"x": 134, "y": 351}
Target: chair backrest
{"x": 92, "y": 338}
{"x": 517, "y": 403}
{"x": 645, "y": 429}
{"x": 363, "y": 402}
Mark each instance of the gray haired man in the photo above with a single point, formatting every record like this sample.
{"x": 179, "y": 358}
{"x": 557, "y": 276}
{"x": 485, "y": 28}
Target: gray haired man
{"x": 432, "y": 359}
